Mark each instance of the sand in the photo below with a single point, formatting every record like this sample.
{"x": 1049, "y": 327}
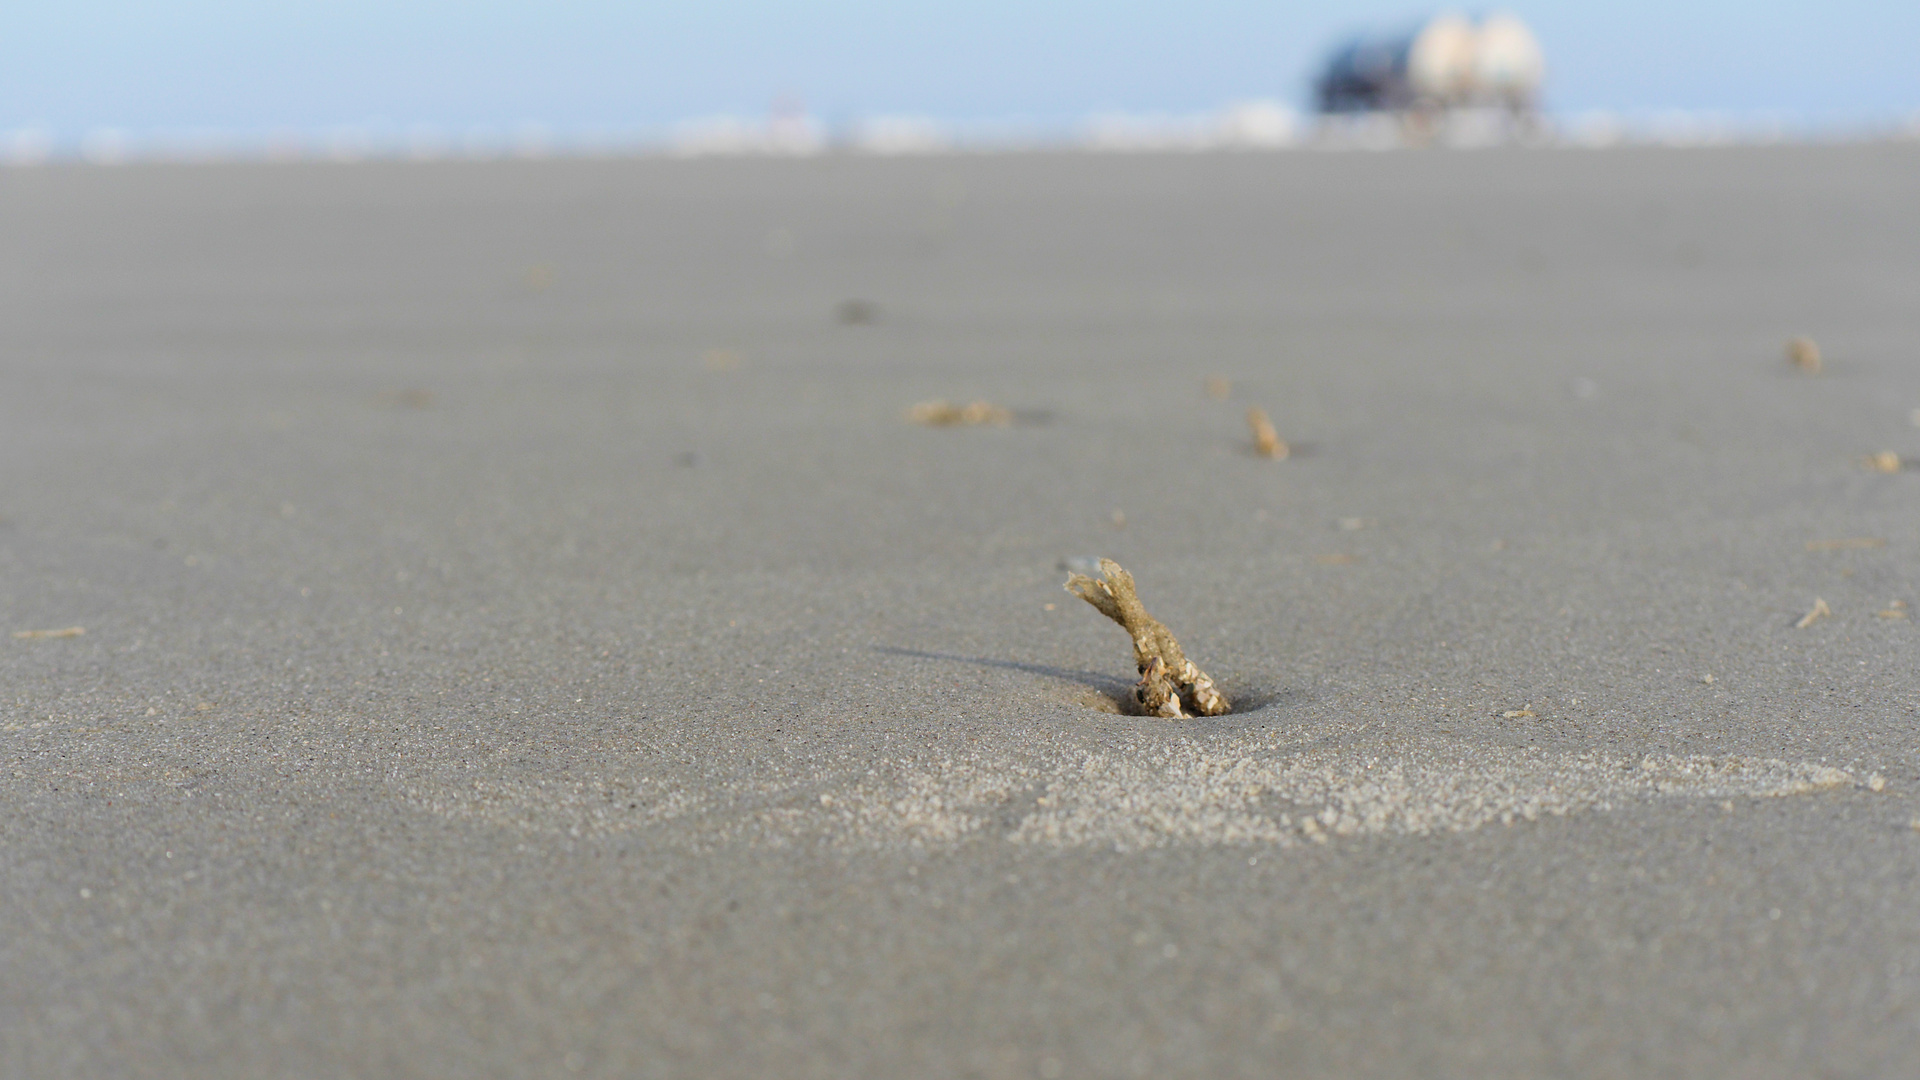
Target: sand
{"x": 518, "y": 629}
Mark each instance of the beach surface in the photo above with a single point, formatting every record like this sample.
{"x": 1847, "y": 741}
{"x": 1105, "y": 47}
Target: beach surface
{"x": 499, "y": 619}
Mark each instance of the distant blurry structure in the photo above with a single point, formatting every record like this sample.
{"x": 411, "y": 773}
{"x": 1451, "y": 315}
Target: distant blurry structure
{"x": 1445, "y": 64}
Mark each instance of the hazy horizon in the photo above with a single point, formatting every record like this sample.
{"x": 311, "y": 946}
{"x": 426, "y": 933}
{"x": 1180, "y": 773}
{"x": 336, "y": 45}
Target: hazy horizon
{"x": 215, "y": 66}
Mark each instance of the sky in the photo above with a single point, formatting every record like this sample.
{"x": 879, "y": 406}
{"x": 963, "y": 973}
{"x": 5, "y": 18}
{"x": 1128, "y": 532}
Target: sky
{"x": 83, "y": 65}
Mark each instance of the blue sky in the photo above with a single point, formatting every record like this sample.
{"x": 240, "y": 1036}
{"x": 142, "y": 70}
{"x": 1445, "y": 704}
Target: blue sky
{"x": 301, "y": 64}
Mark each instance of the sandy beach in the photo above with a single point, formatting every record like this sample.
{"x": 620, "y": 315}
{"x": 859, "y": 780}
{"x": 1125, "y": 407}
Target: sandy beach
{"x": 526, "y": 635}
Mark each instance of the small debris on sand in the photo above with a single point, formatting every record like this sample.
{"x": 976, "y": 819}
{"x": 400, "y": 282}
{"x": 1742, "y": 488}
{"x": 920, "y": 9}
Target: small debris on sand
{"x": 1517, "y": 714}
{"x": 1804, "y": 353}
{"x": 1218, "y": 388}
{"x": 34, "y": 635}
{"x": 1707, "y": 679}
{"x": 856, "y": 313}
{"x": 1266, "y": 441}
{"x": 1895, "y": 610}
{"x": 1168, "y": 680}
{"x": 721, "y": 359}
{"x": 1886, "y": 461}
{"x": 1820, "y": 611}
{"x": 943, "y": 414}
{"x": 1876, "y": 783}
{"x": 1851, "y": 543}
{"x": 1352, "y": 524}
{"x": 413, "y": 397}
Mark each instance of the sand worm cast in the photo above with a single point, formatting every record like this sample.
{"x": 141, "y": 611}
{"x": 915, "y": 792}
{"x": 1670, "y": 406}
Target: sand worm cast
{"x": 1170, "y": 685}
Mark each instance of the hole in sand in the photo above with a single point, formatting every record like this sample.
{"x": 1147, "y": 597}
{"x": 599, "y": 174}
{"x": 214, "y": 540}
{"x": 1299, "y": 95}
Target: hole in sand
{"x": 1101, "y": 692}
{"x": 1116, "y": 696}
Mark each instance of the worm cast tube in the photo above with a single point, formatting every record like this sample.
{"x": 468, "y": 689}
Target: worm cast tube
{"x": 1170, "y": 684}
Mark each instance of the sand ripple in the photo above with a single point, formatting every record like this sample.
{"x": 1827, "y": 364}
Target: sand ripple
{"x": 1186, "y": 792}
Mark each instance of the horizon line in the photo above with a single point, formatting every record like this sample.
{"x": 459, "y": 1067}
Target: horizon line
{"x": 1257, "y": 124}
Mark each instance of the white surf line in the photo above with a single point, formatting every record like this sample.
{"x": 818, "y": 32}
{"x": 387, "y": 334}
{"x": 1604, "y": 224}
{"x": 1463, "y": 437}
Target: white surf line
{"x": 1187, "y": 792}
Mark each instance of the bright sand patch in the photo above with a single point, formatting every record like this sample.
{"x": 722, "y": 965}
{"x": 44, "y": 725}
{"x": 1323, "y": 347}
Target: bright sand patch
{"x": 1186, "y": 792}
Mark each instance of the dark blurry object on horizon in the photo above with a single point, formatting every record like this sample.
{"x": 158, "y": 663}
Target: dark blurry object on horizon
{"x": 1446, "y": 63}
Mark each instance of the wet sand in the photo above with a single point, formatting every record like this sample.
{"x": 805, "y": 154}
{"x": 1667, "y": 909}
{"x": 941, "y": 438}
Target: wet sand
{"x": 525, "y": 635}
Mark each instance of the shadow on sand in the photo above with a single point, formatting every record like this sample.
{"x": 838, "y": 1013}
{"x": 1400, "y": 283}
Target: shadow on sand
{"x": 1105, "y": 684}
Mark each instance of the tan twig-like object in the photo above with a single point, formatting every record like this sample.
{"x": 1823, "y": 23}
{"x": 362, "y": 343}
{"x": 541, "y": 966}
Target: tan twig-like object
{"x": 943, "y": 414}
{"x": 1170, "y": 685}
{"x": 1266, "y": 441}
{"x": 1820, "y": 611}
